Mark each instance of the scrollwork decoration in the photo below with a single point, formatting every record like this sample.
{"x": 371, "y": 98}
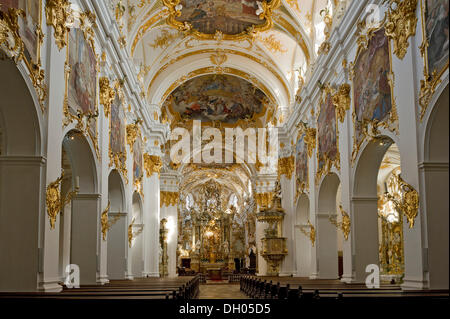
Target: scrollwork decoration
{"x": 401, "y": 24}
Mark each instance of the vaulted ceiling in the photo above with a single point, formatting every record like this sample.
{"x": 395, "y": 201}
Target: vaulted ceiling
{"x": 166, "y": 57}
{"x": 172, "y": 42}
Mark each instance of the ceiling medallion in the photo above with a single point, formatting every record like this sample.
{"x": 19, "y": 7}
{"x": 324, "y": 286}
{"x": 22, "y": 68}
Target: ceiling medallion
{"x": 210, "y": 20}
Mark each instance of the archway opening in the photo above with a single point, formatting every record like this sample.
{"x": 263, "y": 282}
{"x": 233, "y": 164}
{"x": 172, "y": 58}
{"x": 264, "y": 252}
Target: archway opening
{"x": 390, "y": 220}
{"x": 373, "y": 169}
{"x": 21, "y": 175}
{"x": 327, "y": 244}
{"x": 434, "y": 196}
{"x": 303, "y": 244}
{"x": 137, "y": 245}
{"x": 78, "y": 158}
{"x": 117, "y": 233}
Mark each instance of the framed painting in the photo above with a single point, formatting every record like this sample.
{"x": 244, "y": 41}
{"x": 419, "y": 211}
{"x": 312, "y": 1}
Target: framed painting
{"x": 229, "y": 19}
{"x": 138, "y": 161}
{"x": 301, "y": 166}
{"x": 327, "y": 135}
{"x": 373, "y": 97}
{"x": 117, "y": 137}
{"x": 29, "y": 26}
{"x": 81, "y": 85}
{"x": 82, "y": 82}
{"x": 435, "y": 47}
{"x": 210, "y": 98}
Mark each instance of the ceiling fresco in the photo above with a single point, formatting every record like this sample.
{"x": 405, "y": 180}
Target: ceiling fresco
{"x": 229, "y": 16}
{"x": 212, "y": 98}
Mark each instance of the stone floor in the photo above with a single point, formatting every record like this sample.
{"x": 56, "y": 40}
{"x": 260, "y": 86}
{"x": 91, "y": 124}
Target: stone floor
{"x": 221, "y": 291}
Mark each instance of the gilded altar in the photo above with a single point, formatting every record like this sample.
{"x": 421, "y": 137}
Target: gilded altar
{"x": 209, "y": 231}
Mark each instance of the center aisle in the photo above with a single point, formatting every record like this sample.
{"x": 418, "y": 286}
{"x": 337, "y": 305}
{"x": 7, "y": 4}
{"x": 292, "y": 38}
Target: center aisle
{"x": 221, "y": 291}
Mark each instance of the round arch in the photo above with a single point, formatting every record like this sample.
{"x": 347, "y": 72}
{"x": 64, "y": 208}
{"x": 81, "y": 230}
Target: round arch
{"x": 302, "y": 243}
{"x": 21, "y": 173}
{"x": 117, "y": 234}
{"x": 327, "y": 246}
{"x": 85, "y": 206}
{"x": 434, "y": 191}
{"x": 364, "y": 205}
{"x": 137, "y": 246}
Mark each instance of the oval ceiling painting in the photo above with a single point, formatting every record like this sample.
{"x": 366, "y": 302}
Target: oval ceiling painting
{"x": 211, "y": 97}
{"x": 230, "y": 17}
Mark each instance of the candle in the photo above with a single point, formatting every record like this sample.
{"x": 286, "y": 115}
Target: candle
{"x": 77, "y": 182}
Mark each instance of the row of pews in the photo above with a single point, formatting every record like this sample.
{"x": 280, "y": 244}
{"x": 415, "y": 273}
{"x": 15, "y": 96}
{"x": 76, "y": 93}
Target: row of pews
{"x": 181, "y": 288}
{"x": 289, "y": 288}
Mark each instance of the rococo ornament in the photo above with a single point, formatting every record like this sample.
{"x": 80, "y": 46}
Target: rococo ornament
{"x": 59, "y": 15}
{"x": 55, "y": 203}
{"x": 105, "y": 223}
{"x": 407, "y": 201}
{"x": 371, "y": 127}
{"x": 311, "y": 234}
{"x": 107, "y": 95}
{"x": 310, "y": 137}
{"x": 401, "y": 24}
{"x": 130, "y": 232}
{"x": 133, "y": 131}
{"x": 432, "y": 78}
{"x": 12, "y": 44}
{"x": 152, "y": 164}
{"x": 265, "y": 13}
{"x": 168, "y": 198}
{"x": 263, "y": 199}
{"x": 286, "y": 166}
{"x": 345, "y": 225}
{"x": 341, "y": 101}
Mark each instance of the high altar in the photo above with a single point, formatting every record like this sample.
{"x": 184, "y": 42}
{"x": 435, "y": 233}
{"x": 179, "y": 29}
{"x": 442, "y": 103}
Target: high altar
{"x": 206, "y": 237}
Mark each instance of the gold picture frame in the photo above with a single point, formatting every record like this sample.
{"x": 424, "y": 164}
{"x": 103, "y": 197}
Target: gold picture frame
{"x": 118, "y": 159}
{"x": 12, "y": 21}
{"x": 370, "y": 128}
{"x": 302, "y": 187}
{"x": 327, "y": 97}
{"x": 267, "y": 7}
{"x": 86, "y": 121}
{"x": 432, "y": 78}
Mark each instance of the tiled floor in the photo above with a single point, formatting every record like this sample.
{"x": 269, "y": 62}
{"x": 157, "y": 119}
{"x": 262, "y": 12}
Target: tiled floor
{"x": 221, "y": 291}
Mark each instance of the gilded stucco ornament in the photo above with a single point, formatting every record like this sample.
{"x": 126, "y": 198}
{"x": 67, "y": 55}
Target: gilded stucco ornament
{"x": 407, "y": 201}
{"x": 266, "y": 12}
{"x": 105, "y": 222}
{"x": 168, "y": 198}
{"x": 107, "y": 95}
{"x": 370, "y": 129}
{"x": 286, "y": 166}
{"x": 130, "y": 233}
{"x": 55, "y": 202}
{"x": 431, "y": 78}
{"x": 10, "y": 40}
{"x": 59, "y": 15}
{"x": 152, "y": 164}
{"x": 341, "y": 101}
{"x": 133, "y": 131}
{"x": 401, "y": 24}
{"x": 310, "y": 233}
{"x": 12, "y": 44}
{"x": 344, "y": 225}
{"x": 328, "y": 163}
{"x": 310, "y": 137}
{"x": 263, "y": 199}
